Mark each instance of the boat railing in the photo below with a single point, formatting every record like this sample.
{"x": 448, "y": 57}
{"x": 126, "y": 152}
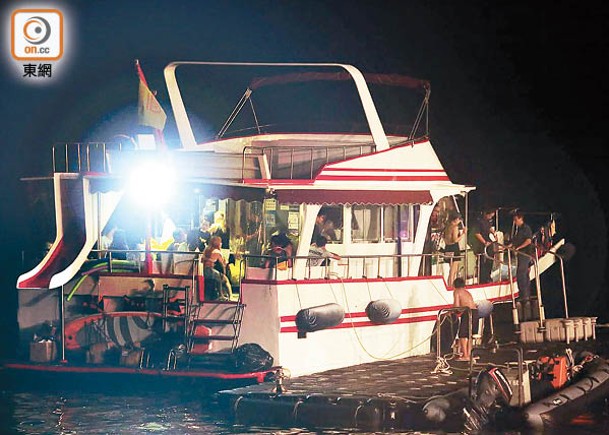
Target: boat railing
{"x": 296, "y": 267}
{"x": 562, "y": 278}
{"x": 347, "y": 267}
{"x": 300, "y": 162}
{"x": 535, "y": 261}
{"x": 87, "y": 156}
{"x": 442, "y": 314}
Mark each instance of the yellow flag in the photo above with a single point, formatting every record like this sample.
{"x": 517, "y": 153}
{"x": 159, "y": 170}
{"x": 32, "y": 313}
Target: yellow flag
{"x": 149, "y": 111}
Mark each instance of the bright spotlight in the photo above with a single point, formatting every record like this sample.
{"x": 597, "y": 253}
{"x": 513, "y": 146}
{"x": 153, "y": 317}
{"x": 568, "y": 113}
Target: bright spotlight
{"x": 152, "y": 184}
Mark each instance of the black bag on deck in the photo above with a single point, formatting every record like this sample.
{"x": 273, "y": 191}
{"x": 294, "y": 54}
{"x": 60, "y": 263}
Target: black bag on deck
{"x": 251, "y": 357}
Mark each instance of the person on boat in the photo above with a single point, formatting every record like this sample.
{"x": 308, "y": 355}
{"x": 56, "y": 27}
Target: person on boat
{"x": 319, "y": 255}
{"x": 212, "y": 261}
{"x": 463, "y": 299}
{"x": 328, "y": 231}
{"x": 177, "y": 263}
{"x": 253, "y": 233}
{"x": 482, "y": 244}
{"x": 219, "y": 229}
{"x": 204, "y": 235}
{"x": 453, "y": 233}
{"x": 280, "y": 251}
{"x": 320, "y": 219}
{"x": 521, "y": 242}
{"x": 119, "y": 243}
{"x": 179, "y": 241}
{"x": 107, "y": 236}
{"x": 194, "y": 242}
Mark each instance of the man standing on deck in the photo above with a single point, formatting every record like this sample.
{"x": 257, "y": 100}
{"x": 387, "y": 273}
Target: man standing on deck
{"x": 522, "y": 244}
{"x": 464, "y": 299}
{"x": 481, "y": 244}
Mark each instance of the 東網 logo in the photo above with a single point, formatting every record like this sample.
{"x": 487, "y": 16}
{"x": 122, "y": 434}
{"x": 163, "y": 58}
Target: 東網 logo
{"x": 37, "y": 34}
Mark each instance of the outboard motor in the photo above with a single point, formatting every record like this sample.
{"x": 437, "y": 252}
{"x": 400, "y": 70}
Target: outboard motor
{"x": 492, "y": 388}
{"x": 447, "y": 410}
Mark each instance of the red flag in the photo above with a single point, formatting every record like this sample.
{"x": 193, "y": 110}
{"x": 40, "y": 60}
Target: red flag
{"x": 149, "y": 111}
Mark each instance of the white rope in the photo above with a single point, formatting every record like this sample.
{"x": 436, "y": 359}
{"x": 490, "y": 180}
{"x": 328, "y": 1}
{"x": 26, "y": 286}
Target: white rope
{"x": 363, "y": 347}
{"x": 442, "y": 367}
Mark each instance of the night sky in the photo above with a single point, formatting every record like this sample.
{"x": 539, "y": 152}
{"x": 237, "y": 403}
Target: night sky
{"x": 518, "y": 103}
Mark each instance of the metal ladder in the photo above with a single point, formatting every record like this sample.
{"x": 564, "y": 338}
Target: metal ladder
{"x": 234, "y": 321}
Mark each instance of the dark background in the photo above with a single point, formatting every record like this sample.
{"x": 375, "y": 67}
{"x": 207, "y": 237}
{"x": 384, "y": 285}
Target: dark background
{"x": 517, "y": 107}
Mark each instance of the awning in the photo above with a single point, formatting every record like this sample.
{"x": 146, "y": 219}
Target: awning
{"x": 323, "y": 196}
{"x": 206, "y": 188}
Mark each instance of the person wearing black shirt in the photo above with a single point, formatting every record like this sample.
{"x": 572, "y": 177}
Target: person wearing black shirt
{"x": 481, "y": 244}
{"x": 522, "y": 243}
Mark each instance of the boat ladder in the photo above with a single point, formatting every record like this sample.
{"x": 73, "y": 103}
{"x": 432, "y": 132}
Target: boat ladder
{"x": 224, "y": 326}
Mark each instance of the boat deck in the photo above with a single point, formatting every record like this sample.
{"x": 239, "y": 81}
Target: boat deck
{"x": 374, "y": 396}
{"x": 382, "y": 395}
{"x": 409, "y": 378}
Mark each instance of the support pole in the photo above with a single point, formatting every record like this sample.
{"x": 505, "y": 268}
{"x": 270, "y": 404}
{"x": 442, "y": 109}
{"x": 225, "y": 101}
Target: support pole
{"x": 62, "y": 319}
{"x": 148, "y": 247}
{"x": 467, "y": 228}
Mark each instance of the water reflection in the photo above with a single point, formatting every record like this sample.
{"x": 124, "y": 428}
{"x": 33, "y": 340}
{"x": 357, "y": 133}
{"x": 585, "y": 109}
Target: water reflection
{"x": 157, "y": 412}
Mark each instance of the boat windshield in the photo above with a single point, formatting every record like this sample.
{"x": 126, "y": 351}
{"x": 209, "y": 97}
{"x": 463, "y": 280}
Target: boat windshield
{"x": 304, "y": 102}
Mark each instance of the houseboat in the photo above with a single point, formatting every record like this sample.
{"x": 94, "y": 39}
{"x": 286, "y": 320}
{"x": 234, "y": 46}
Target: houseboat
{"x": 147, "y": 307}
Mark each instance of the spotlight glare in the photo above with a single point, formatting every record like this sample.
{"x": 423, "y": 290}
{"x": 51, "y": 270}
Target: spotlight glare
{"x": 152, "y": 184}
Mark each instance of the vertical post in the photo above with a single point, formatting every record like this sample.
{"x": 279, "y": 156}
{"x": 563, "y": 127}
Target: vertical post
{"x": 467, "y": 227}
{"x": 63, "y": 328}
{"x": 515, "y": 319}
{"x": 564, "y": 286}
{"x": 99, "y": 224}
{"x": 148, "y": 258}
{"x": 542, "y": 314}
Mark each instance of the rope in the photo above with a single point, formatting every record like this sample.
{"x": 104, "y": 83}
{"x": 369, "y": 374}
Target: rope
{"x": 333, "y": 294}
{"x": 442, "y": 367}
{"x": 363, "y": 347}
{"x": 297, "y": 295}
{"x": 388, "y": 289}
{"x": 369, "y": 292}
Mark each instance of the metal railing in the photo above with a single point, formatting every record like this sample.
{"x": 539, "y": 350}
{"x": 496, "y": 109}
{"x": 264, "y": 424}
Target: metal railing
{"x": 445, "y": 311}
{"x": 510, "y": 250}
{"x": 86, "y": 157}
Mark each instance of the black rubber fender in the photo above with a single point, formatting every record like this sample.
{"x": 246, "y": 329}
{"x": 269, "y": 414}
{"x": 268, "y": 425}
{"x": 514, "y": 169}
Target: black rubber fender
{"x": 384, "y": 311}
{"x": 319, "y": 317}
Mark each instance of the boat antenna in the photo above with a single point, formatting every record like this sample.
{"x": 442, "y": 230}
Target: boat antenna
{"x": 423, "y": 111}
{"x": 231, "y": 118}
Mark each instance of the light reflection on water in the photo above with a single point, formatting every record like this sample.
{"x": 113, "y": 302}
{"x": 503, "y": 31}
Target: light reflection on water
{"x": 155, "y": 412}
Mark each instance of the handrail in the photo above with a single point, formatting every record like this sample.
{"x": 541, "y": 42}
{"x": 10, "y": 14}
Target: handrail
{"x": 562, "y": 276}
{"x": 83, "y": 157}
{"x": 515, "y": 319}
{"x": 443, "y": 311}
{"x": 535, "y": 260}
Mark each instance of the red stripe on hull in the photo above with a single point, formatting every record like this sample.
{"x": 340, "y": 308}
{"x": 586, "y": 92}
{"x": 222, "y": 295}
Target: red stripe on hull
{"x": 259, "y": 376}
{"x": 330, "y": 281}
{"x": 441, "y": 171}
{"x": 381, "y": 178}
{"x": 403, "y": 320}
{"x": 364, "y": 324}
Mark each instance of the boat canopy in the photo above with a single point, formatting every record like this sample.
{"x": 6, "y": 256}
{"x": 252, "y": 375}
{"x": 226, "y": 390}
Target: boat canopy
{"x": 379, "y": 79}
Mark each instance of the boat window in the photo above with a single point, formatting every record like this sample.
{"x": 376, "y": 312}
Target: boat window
{"x": 281, "y": 218}
{"x": 390, "y": 223}
{"x": 409, "y": 219}
{"x": 366, "y": 223}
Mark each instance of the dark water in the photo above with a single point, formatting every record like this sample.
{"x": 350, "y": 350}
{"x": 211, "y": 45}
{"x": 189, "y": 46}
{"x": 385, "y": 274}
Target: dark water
{"x": 73, "y": 412}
